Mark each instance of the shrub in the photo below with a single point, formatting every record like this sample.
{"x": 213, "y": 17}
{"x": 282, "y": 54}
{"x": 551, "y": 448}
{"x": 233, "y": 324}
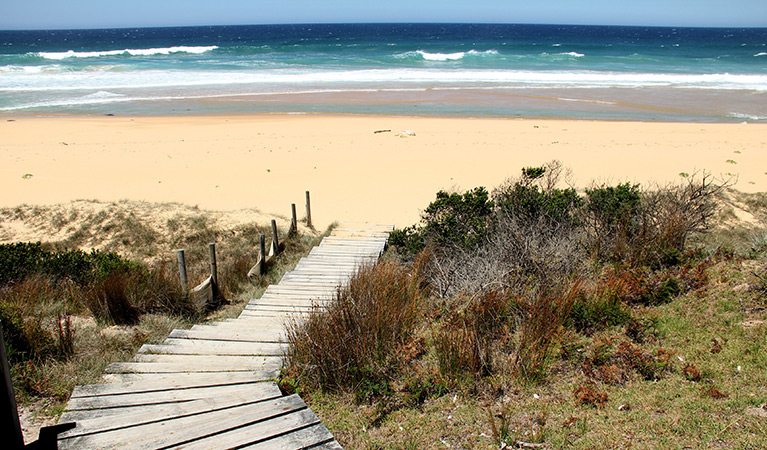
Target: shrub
{"x": 541, "y": 322}
{"x": 648, "y": 228}
{"x": 21, "y": 260}
{"x": 25, "y": 337}
{"x": 465, "y": 341}
{"x": 352, "y": 342}
{"x": 535, "y": 197}
{"x": 109, "y": 299}
{"x": 588, "y": 394}
{"x": 454, "y": 219}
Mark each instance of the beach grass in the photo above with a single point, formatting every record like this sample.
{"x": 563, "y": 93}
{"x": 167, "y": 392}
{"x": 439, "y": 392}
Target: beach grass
{"x": 65, "y": 321}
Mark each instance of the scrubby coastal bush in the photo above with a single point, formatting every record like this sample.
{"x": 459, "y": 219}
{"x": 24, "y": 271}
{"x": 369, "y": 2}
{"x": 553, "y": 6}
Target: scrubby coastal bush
{"x": 517, "y": 284}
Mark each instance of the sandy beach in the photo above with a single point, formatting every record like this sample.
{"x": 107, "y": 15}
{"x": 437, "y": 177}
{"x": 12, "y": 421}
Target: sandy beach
{"x": 354, "y": 173}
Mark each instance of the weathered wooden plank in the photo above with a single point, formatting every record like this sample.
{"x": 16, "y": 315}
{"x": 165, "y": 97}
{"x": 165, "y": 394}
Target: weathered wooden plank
{"x": 298, "y": 296}
{"x": 255, "y": 304}
{"x": 222, "y": 360}
{"x": 204, "y": 430}
{"x": 205, "y": 347}
{"x": 346, "y": 250}
{"x": 334, "y": 261}
{"x": 264, "y": 324}
{"x": 140, "y": 367}
{"x": 323, "y": 270}
{"x": 249, "y": 391}
{"x": 253, "y": 336}
{"x": 284, "y": 314}
{"x": 279, "y": 310}
{"x": 333, "y": 280}
{"x": 131, "y": 416}
{"x": 301, "y": 288}
{"x": 366, "y": 243}
{"x": 343, "y": 252}
{"x": 136, "y": 383}
{"x": 285, "y": 301}
{"x": 314, "y": 436}
{"x": 256, "y": 432}
{"x": 307, "y": 282}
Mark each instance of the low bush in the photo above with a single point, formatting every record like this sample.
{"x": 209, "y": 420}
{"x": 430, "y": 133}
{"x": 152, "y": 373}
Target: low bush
{"x": 352, "y": 343}
{"x": 452, "y": 219}
{"x": 464, "y": 343}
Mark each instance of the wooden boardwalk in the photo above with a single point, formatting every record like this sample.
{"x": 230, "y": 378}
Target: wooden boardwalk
{"x": 211, "y": 387}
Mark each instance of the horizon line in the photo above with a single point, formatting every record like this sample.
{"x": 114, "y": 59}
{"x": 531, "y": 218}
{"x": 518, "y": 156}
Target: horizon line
{"x": 389, "y": 23}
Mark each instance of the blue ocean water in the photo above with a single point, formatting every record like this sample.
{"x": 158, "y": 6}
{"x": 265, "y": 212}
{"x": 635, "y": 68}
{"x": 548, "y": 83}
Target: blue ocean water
{"x": 590, "y": 72}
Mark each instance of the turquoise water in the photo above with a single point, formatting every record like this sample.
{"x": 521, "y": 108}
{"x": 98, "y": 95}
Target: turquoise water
{"x": 617, "y": 73}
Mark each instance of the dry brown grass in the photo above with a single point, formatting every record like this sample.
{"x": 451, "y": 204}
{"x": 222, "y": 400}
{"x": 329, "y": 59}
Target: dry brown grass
{"x": 354, "y": 340}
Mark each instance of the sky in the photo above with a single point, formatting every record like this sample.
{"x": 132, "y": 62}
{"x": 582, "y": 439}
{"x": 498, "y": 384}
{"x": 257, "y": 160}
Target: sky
{"x": 58, "y": 14}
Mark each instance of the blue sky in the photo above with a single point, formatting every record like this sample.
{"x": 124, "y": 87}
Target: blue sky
{"x": 49, "y": 14}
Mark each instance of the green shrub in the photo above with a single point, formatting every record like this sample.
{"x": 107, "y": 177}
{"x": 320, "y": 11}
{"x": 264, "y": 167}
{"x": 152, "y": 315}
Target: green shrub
{"x": 20, "y": 260}
{"x": 531, "y": 199}
{"x": 451, "y": 219}
{"x": 460, "y": 219}
{"x": 25, "y": 338}
{"x": 612, "y": 207}
{"x": 590, "y": 314}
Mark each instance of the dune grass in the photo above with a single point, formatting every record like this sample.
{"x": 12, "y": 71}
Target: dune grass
{"x": 68, "y": 313}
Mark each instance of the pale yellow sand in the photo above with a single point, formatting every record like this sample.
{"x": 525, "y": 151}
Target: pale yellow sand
{"x": 354, "y": 174}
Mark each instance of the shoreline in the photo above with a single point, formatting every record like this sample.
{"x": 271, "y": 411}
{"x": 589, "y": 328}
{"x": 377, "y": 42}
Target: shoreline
{"x": 268, "y": 161}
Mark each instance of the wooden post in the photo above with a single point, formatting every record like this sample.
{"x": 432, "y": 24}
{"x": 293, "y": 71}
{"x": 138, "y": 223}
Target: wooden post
{"x": 9, "y": 414}
{"x": 262, "y": 249}
{"x": 213, "y": 270}
{"x": 182, "y": 270}
{"x": 293, "y": 220}
{"x": 308, "y": 211}
{"x": 275, "y": 240}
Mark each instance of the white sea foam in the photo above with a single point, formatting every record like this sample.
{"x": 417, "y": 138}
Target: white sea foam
{"x": 566, "y": 54}
{"x": 747, "y": 116}
{"x": 761, "y": 54}
{"x": 441, "y": 56}
{"x": 429, "y": 56}
{"x": 270, "y": 81}
{"x": 127, "y": 51}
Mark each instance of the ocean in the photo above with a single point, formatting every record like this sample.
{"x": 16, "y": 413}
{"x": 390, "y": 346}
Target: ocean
{"x": 464, "y": 70}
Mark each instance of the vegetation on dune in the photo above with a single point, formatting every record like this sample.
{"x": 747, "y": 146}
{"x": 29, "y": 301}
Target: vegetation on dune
{"x": 535, "y": 315}
{"x": 68, "y": 313}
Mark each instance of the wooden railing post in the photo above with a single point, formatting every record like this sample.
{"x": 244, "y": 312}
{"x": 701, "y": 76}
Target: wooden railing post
{"x": 213, "y": 270}
{"x": 308, "y": 211}
{"x": 9, "y": 414}
{"x": 262, "y": 249}
{"x": 182, "y": 270}
{"x": 293, "y": 220}
{"x": 275, "y": 239}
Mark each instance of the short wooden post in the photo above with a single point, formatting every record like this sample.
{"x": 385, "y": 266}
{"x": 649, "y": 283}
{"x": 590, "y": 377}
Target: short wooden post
{"x": 308, "y": 211}
{"x": 182, "y": 270}
{"x": 262, "y": 249}
{"x": 9, "y": 414}
{"x": 213, "y": 270}
{"x": 275, "y": 239}
{"x": 293, "y": 219}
